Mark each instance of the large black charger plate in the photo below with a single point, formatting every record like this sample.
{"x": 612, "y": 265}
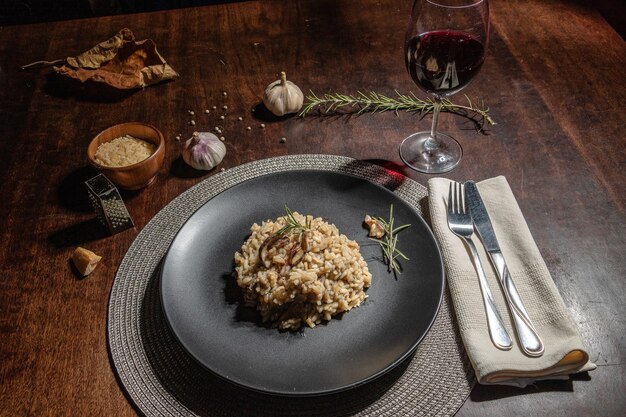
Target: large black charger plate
{"x": 203, "y": 307}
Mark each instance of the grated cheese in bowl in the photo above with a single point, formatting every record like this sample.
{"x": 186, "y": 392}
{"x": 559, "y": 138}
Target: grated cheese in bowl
{"x": 123, "y": 151}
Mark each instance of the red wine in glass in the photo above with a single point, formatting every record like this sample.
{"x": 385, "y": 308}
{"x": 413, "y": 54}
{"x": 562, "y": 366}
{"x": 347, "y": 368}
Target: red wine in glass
{"x": 444, "y": 62}
{"x": 445, "y": 46}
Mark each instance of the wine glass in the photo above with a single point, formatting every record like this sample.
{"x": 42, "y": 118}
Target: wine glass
{"x": 445, "y": 46}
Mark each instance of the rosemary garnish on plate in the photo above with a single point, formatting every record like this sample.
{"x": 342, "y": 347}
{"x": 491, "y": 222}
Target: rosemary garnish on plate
{"x": 389, "y": 241}
{"x": 333, "y": 103}
{"x": 293, "y": 225}
{"x": 279, "y": 239}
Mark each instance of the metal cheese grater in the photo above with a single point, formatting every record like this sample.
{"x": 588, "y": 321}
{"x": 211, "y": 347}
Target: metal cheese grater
{"x": 108, "y": 204}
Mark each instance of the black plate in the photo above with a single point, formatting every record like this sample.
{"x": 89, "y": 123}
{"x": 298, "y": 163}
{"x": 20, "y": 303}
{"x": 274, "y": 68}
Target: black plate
{"x": 202, "y": 301}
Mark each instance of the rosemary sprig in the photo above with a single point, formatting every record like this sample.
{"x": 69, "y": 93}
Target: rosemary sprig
{"x": 360, "y": 102}
{"x": 293, "y": 225}
{"x": 389, "y": 241}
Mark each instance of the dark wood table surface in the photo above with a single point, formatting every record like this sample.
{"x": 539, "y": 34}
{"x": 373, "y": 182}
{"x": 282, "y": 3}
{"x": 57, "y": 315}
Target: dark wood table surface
{"x": 555, "y": 82}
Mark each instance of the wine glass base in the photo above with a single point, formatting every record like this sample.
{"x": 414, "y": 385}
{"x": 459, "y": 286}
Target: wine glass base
{"x": 421, "y": 153}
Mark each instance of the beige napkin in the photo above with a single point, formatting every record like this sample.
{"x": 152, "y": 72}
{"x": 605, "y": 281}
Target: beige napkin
{"x": 564, "y": 350}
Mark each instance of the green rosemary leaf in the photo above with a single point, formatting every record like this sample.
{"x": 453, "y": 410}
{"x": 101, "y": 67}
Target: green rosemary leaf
{"x": 397, "y": 229}
{"x": 292, "y": 225}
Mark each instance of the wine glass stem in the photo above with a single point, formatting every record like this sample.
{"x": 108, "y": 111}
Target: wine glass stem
{"x": 431, "y": 143}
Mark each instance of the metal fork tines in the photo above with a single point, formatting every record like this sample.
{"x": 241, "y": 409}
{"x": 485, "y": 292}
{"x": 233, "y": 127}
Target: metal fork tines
{"x": 460, "y": 223}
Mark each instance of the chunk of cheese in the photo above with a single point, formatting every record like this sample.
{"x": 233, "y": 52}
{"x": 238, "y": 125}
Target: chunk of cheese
{"x": 85, "y": 260}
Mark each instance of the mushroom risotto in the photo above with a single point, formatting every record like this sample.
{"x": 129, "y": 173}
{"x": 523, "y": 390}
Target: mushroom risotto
{"x": 300, "y": 270}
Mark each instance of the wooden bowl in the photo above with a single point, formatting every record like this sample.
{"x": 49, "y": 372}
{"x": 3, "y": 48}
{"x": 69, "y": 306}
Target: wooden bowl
{"x": 135, "y": 176}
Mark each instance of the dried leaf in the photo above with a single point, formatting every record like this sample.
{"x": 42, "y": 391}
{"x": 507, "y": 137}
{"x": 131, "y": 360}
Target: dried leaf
{"x": 120, "y": 62}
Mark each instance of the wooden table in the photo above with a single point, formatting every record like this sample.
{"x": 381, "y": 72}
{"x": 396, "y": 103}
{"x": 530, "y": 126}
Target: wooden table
{"x": 554, "y": 80}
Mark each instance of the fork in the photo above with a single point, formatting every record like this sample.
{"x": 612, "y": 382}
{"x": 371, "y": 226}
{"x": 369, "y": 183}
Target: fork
{"x": 460, "y": 223}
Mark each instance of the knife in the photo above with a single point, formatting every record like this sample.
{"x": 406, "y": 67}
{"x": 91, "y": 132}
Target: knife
{"x": 526, "y": 332}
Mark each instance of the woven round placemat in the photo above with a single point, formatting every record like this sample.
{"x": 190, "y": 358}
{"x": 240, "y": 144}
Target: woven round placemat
{"x": 161, "y": 379}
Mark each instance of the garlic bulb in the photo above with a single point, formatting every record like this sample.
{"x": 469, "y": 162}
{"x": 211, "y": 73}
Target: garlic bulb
{"x": 282, "y": 97}
{"x": 203, "y": 151}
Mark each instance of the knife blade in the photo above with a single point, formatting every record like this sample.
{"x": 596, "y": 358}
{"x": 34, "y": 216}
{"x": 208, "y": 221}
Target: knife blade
{"x": 527, "y": 334}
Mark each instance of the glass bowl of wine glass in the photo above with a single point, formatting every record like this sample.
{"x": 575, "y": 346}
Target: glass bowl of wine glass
{"x": 445, "y": 46}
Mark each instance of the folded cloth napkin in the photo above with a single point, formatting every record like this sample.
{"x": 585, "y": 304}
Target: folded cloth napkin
{"x": 565, "y": 353}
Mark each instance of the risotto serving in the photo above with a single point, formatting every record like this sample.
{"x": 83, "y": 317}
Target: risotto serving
{"x": 300, "y": 270}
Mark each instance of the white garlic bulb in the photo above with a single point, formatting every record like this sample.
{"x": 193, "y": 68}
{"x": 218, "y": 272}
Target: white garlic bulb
{"x": 204, "y": 151}
{"x": 282, "y": 97}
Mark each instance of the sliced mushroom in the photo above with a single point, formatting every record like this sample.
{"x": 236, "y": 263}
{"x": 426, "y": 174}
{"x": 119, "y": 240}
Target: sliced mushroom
{"x": 274, "y": 241}
{"x": 304, "y": 242}
{"x": 297, "y": 257}
{"x": 376, "y": 228}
